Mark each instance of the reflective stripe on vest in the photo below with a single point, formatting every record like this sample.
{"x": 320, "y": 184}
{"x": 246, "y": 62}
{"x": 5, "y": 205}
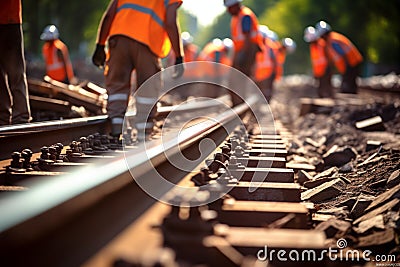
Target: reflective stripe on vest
{"x": 117, "y": 120}
{"x": 117, "y": 97}
{"x": 143, "y": 21}
{"x": 55, "y": 67}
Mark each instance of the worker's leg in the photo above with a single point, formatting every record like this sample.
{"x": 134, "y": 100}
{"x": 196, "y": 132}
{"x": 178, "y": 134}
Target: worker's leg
{"x": 349, "y": 84}
{"x": 325, "y": 88}
{"x": 117, "y": 80}
{"x": 5, "y": 96}
{"x": 147, "y": 64}
{"x": 17, "y": 81}
{"x": 13, "y": 64}
{"x": 5, "y": 105}
{"x": 243, "y": 61}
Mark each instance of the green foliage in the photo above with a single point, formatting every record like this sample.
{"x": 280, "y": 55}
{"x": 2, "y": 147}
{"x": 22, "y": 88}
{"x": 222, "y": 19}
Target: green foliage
{"x": 372, "y": 25}
{"x": 77, "y": 22}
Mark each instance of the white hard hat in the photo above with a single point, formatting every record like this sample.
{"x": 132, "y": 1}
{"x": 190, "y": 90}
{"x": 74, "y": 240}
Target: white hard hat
{"x": 186, "y": 38}
{"x": 50, "y": 33}
{"x": 310, "y": 34}
{"x": 217, "y": 42}
{"x": 289, "y": 44}
{"x": 263, "y": 29}
{"x": 272, "y": 35}
{"x": 229, "y": 3}
{"x": 322, "y": 28}
{"x": 228, "y": 43}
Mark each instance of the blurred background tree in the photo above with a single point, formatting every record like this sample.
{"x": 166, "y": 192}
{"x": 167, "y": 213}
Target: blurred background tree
{"x": 372, "y": 25}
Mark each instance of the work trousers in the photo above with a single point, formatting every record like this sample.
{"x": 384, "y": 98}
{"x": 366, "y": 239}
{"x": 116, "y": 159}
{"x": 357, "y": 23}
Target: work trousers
{"x": 243, "y": 61}
{"x": 325, "y": 88}
{"x": 14, "y": 100}
{"x": 126, "y": 55}
{"x": 349, "y": 85}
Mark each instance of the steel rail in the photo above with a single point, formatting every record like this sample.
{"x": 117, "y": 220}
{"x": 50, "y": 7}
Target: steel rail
{"x": 64, "y": 221}
{"x": 35, "y": 135}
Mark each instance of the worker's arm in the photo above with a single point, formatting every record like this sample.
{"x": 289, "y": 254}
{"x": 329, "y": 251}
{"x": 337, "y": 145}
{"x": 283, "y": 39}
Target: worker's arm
{"x": 71, "y": 79}
{"x": 173, "y": 30}
{"x": 99, "y": 56}
{"x": 105, "y": 23}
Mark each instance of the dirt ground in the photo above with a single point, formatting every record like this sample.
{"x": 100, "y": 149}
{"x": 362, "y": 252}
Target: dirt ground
{"x": 372, "y": 171}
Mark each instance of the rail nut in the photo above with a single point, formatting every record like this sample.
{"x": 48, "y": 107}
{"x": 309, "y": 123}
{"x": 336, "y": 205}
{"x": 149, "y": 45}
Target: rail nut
{"x": 27, "y": 155}
{"x": 201, "y": 178}
{"x": 53, "y": 153}
{"x": 221, "y": 157}
{"x": 45, "y": 153}
{"x": 226, "y": 150}
{"x": 16, "y": 164}
{"x": 84, "y": 143}
{"x": 215, "y": 165}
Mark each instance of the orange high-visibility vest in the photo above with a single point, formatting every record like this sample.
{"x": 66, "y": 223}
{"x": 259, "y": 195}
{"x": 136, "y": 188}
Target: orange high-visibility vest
{"x": 342, "y": 52}
{"x": 56, "y": 68}
{"x": 10, "y": 12}
{"x": 280, "y": 59}
{"x": 191, "y": 52}
{"x": 217, "y": 54}
{"x": 319, "y": 61}
{"x": 265, "y": 61}
{"x": 238, "y": 36}
{"x": 144, "y": 21}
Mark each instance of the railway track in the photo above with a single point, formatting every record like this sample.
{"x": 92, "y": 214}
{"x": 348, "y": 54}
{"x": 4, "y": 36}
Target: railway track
{"x": 97, "y": 215}
{"x": 72, "y": 202}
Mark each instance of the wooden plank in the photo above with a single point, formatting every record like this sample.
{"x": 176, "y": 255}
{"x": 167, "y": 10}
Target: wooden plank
{"x": 263, "y": 162}
{"x": 267, "y": 152}
{"x": 263, "y": 174}
{"x": 278, "y": 192}
{"x": 260, "y": 214}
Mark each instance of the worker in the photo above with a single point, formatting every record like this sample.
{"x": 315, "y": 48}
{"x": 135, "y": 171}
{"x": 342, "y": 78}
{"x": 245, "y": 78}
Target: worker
{"x": 191, "y": 52}
{"x": 266, "y": 64}
{"x": 138, "y": 33}
{"x": 14, "y": 104}
{"x": 217, "y": 51}
{"x": 345, "y": 56}
{"x": 56, "y": 56}
{"x": 286, "y": 46}
{"x": 247, "y": 42}
{"x": 319, "y": 62}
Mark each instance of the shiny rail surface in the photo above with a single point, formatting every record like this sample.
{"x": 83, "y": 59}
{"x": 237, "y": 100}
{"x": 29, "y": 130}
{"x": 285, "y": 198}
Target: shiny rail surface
{"x": 35, "y": 135}
{"x": 56, "y": 216}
